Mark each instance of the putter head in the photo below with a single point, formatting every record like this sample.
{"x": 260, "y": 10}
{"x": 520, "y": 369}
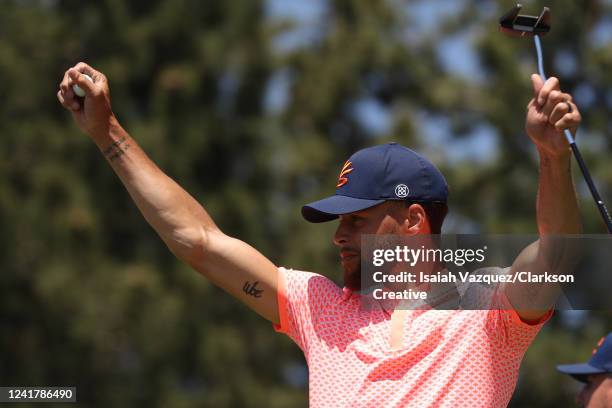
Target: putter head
{"x": 519, "y": 25}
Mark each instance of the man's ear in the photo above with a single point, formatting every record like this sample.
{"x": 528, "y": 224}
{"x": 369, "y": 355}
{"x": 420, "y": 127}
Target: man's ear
{"x": 416, "y": 221}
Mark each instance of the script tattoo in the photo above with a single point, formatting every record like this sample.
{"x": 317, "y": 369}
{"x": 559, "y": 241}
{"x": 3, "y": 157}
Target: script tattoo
{"x": 252, "y": 289}
{"x": 117, "y": 149}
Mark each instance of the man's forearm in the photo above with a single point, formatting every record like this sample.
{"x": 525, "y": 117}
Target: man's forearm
{"x": 557, "y": 207}
{"x": 176, "y": 216}
{"x": 557, "y": 214}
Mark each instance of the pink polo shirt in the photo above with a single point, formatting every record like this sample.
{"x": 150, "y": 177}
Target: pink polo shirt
{"x": 448, "y": 358}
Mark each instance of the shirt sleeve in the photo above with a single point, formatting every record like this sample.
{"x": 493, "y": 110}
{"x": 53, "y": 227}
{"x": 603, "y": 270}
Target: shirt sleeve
{"x": 507, "y": 328}
{"x": 301, "y": 300}
{"x": 502, "y": 323}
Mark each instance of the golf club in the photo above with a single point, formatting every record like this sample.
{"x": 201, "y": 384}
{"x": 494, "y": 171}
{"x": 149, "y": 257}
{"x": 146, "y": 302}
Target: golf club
{"x": 517, "y": 25}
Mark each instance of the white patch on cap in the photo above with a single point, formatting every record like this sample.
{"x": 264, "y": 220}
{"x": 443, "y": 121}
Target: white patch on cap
{"x": 402, "y": 191}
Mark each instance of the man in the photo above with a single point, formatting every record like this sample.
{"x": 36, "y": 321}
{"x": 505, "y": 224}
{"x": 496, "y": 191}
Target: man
{"x": 596, "y": 374}
{"x": 371, "y": 358}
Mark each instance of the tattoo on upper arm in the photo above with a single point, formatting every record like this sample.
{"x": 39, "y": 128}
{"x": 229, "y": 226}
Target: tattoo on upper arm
{"x": 251, "y": 289}
{"x": 117, "y": 149}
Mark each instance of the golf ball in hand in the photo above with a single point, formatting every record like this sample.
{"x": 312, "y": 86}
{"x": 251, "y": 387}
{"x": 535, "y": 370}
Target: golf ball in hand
{"x": 78, "y": 90}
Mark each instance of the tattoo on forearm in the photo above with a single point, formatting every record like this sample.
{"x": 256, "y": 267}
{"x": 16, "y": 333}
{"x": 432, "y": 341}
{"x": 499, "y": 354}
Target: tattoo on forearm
{"x": 117, "y": 149}
{"x": 251, "y": 289}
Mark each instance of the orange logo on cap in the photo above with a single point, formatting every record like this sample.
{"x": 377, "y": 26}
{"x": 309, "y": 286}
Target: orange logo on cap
{"x": 599, "y": 343}
{"x": 346, "y": 169}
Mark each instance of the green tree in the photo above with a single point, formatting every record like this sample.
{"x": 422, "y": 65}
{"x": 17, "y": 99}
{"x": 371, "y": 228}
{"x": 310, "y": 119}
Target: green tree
{"x": 90, "y": 297}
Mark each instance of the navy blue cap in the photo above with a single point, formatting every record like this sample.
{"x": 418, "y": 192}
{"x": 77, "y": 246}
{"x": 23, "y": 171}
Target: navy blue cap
{"x": 377, "y": 174}
{"x": 600, "y": 362}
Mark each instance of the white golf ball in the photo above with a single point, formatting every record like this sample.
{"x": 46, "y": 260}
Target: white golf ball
{"x": 78, "y": 90}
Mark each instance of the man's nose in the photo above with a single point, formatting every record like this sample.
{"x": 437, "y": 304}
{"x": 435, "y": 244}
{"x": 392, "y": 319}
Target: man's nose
{"x": 340, "y": 235}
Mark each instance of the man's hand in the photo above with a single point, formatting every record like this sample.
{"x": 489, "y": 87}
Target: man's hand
{"x": 93, "y": 113}
{"x": 549, "y": 113}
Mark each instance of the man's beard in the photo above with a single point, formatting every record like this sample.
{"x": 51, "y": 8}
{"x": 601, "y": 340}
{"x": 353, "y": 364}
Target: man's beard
{"x": 352, "y": 276}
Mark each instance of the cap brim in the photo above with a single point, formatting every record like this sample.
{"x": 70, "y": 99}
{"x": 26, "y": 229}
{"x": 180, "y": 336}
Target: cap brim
{"x": 330, "y": 208}
{"x": 579, "y": 371}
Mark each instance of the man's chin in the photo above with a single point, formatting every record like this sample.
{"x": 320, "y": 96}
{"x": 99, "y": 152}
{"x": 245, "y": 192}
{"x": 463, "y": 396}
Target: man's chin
{"x": 352, "y": 279}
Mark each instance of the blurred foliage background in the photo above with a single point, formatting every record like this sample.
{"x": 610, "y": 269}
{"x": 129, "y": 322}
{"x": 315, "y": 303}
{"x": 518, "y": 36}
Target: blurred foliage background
{"x": 253, "y": 106}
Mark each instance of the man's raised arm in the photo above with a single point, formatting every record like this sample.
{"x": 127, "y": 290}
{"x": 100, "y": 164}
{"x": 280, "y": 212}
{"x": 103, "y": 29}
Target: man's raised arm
{"x": 181, "y": 222}
{"x": 548, "y": 114}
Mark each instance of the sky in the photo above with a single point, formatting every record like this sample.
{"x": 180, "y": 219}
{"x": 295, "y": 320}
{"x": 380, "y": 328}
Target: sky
{"x": 456, "y": 54}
